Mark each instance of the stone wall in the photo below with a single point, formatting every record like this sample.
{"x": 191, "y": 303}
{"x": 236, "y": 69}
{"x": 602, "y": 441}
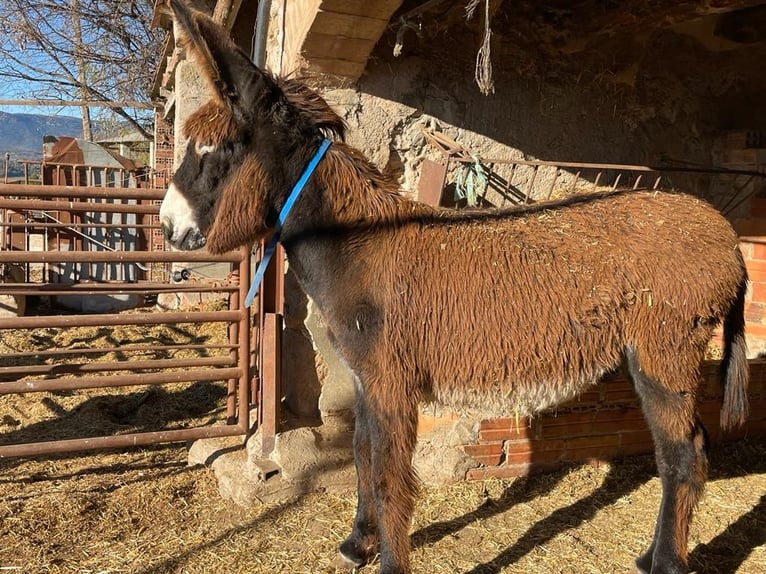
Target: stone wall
{"x": 666, "y": 102}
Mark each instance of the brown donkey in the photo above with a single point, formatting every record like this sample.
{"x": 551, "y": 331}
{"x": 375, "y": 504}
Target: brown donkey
{"x": 512, "y": 311}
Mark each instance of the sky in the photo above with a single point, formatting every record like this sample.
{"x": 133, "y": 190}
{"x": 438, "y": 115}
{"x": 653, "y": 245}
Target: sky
{"x": 19, "y": 90}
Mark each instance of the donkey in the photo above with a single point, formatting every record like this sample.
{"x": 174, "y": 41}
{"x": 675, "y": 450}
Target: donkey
{"x": 510, "y": 310}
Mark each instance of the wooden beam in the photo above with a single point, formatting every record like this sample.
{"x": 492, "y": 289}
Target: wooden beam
{"x": 379, "y": 9}
{"x": 67, "y": 104}
{"x": 330, "y": 46}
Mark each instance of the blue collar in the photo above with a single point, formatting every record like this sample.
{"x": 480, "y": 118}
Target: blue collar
{"x": 271, "y": 247}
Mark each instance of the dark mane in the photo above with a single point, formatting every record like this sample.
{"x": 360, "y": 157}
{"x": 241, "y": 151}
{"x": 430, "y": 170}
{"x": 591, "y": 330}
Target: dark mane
{"x": 313, "y": 107}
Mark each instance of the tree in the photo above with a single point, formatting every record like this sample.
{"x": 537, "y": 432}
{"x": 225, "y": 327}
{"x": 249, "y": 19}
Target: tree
{"x": 80, "y": 50}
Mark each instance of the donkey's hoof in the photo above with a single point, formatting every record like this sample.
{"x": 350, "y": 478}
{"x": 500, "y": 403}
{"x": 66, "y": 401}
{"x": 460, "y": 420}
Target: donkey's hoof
{"x": 344, "y": 563}
{"x": 352, "y": 553}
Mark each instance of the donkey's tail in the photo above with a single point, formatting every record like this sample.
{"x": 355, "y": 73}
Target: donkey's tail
{"x": 735, "y": 371}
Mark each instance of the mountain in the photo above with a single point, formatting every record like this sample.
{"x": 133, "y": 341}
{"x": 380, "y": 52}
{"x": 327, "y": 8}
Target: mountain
{"x": 21, "y": 135}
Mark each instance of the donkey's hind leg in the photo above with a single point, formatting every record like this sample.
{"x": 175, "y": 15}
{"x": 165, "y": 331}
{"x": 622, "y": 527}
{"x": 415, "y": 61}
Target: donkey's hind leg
{"x": 362, "y": 544}
{"x": 680, "y": 448}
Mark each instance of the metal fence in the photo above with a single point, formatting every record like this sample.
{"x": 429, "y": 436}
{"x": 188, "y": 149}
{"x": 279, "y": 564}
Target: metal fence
{"x": 60, "y": 236}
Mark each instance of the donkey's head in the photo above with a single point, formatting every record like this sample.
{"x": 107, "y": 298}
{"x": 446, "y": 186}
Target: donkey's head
{"x": 245, "y": 146}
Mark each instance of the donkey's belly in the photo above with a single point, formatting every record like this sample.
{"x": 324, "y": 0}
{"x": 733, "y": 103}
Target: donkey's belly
{"x": 503, "y": 398}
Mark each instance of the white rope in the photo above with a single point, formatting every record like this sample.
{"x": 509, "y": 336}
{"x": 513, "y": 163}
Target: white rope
{"x": 483, "y": 73}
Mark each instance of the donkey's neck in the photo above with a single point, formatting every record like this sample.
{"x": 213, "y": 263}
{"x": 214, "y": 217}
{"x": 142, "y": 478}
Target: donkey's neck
{"x": 348, "y": 201}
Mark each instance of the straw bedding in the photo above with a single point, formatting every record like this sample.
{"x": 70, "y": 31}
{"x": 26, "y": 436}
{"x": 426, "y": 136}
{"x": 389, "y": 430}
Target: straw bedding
{"x": 144, "y": 511}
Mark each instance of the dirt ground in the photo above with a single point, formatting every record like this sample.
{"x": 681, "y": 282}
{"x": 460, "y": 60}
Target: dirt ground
{"x": 147, "y": 512}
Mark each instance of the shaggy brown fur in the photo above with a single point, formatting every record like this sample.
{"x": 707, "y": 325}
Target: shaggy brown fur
{"x": 507, "y": 311}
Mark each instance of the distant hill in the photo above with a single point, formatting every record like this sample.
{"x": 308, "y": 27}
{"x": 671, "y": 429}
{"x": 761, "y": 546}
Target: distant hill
{"x": 21, "y": 135}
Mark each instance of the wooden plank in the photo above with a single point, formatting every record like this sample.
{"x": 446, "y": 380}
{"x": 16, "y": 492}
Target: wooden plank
{"x": 348, "y": 26}
{"x": 380, "y": 9}
{"x": 332, "y": 46}
{"x": 271, "y": 392}
{"x": 431, "y": 184}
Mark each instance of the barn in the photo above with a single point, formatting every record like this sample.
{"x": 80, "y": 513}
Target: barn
{"x": 493, "y": 103}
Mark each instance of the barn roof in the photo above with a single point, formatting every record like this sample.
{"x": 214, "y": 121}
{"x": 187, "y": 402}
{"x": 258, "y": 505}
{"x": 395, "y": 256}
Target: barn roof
{"x": 72, "y": 151}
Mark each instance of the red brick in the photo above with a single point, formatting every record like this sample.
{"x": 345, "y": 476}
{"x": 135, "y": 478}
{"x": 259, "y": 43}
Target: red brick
{"x": 755, "y": 330}
{"x": 755, "y": 312}
{"x": 488, "y": 454}
{"x": 759, "y": 250}
{"x": 634, "y": 448}
{"x": 535, "y": 456}
{"x": 512, "y": 470}
{"x": 505, "y": 429}
{"x": 755, "y": 265}
{"x": 758, "y": 292}
{"x": 596, "y": 443}
{"x": 594, "y": 423}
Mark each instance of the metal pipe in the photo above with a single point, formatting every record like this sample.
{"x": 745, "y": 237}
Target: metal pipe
{"x": 75, "y": 383}
{"x": 65, "y": 321}
{"x": 81, "y": 191}
{"x": 261, "y": 33}
{"x": 106, "y": 350}
{"x": 129, "y": 365}
{"x": 114, "y": 288}
{"x": 110, "y": 256}
{"x": 243, "y": 339}
{"x": 42, "y": 205}
{"x": 119, "y": 441}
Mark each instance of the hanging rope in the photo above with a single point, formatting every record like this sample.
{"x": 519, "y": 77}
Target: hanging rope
{"x": 483, "y": 72}
{"x": 470, "y": 179}
{"x": 404, "y": 25}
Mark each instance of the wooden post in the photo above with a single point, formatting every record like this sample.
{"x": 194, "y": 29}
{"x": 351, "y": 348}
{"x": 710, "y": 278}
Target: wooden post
{"x": 271, "y": 391}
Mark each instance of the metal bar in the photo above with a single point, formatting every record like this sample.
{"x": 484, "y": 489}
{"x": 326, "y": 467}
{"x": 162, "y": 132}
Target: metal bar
{"x": 134, "y": 104}
{"x": 531, "y": 185}
{"x": 75, "y": 383}
{"x": 116, "y": 319}
{"x": 576, "y": 180}
{"x": 87, "y": 225}
{"x": 596, "y": 181}
{"x": 130, "y": 365}
{"x": 554, "y": 179}
{"x": 114, "y": 288}
{"x": 106, "y": 350}
{"x": 628, "y": 167}
{"x": 82, "y": 191}
{"x": 119, "y": 441}
{"x": 42, "y": 205}
{"x": 243, "y": 332}
{"x": 109, "y": 256}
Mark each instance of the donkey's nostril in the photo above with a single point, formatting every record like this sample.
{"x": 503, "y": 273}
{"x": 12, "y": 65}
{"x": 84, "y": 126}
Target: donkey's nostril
{"x": 167, "y": 231}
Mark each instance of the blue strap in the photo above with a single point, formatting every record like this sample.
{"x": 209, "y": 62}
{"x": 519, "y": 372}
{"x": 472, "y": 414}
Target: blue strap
{"x": 272, "y": 246}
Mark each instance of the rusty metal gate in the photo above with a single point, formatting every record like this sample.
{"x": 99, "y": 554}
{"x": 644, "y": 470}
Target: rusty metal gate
{"x": 45, "y": 230}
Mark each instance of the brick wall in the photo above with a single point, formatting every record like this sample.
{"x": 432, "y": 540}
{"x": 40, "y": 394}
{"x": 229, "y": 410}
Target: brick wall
{"x": 163, "y": 166}
{"x": 604, "y": 423}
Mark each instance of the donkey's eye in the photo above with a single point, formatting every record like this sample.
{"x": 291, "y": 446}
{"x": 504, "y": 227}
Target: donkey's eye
{"x": 201, "y": 148}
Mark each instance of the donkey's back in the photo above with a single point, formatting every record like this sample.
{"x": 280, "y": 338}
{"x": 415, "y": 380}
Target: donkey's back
{"x": 522, "y": 309}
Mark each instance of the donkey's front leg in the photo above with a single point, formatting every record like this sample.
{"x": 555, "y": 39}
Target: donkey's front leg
{"x": 362, "y": 544}
{"x": 393, "y": 429}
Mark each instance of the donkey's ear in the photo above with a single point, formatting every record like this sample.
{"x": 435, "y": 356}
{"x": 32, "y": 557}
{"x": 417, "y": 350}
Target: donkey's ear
{"x": 233, "y": 79}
